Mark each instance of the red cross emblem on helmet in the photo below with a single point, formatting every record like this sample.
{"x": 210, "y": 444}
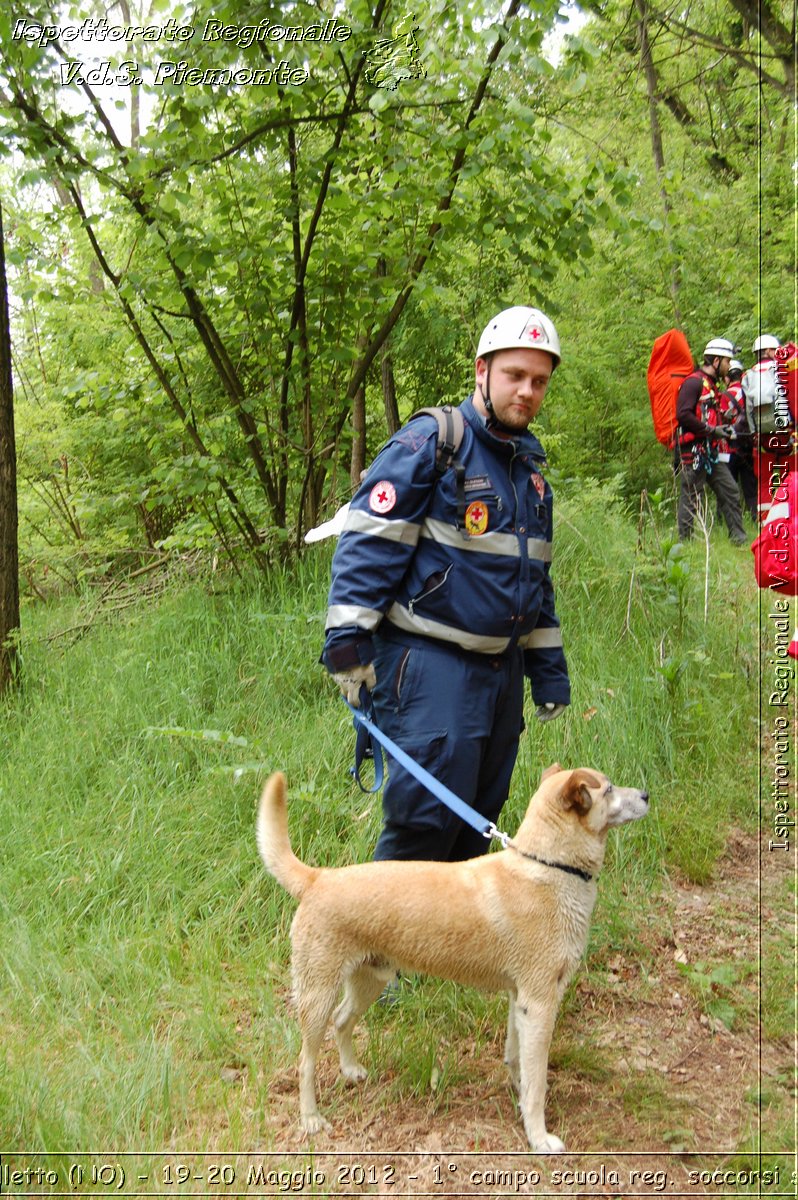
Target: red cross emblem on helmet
{"x": 535, "y": 333}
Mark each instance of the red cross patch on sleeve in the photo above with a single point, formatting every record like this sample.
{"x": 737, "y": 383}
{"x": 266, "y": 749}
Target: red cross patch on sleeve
{"x": 382, "y": 497}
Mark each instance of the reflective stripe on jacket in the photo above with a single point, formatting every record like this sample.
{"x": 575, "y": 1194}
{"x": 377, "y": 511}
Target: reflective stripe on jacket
{"x": 485, "y": 588}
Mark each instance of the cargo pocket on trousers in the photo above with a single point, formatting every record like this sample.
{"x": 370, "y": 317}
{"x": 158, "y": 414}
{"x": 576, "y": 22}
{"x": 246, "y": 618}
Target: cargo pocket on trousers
{"x": 406, "y": 801}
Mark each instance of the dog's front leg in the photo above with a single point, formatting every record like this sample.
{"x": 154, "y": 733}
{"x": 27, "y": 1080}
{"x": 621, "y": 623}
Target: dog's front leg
{"x": 534, "y": 1021}
{"x": 511, "y": 1057}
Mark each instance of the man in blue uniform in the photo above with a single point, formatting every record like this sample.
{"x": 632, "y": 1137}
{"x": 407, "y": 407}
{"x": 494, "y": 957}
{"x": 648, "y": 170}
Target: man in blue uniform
{"x": 441, "y": 601}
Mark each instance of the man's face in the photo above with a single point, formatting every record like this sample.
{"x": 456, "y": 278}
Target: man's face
{"x": 724, "y": 367}
{"x": 518, "y": 382}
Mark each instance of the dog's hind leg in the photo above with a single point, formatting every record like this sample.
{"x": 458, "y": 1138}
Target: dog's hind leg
{"x": 362, "y": 986}
{"x": 315, "y": 1000}
{"x": 535, "y": 1024}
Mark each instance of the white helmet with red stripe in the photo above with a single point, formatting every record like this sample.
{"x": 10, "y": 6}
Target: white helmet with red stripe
{"x": 527, "y": 328}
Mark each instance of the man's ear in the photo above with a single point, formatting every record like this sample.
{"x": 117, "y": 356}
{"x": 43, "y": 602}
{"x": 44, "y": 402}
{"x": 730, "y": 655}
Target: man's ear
{"x": 577, "y": 788}
{"x": 552, "y": 770}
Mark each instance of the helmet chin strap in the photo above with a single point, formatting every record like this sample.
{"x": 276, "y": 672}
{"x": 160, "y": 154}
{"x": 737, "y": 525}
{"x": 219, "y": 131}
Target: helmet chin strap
{"x": 492, "y": 422}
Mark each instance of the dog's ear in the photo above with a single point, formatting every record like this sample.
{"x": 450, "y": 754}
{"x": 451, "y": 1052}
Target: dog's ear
{"x": 576, "y": 792}
{"x": 552, "y": 770}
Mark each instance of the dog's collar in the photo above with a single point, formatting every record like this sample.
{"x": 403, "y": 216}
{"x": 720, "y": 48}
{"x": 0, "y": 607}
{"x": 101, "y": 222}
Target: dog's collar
{"x": 544, "y": 862}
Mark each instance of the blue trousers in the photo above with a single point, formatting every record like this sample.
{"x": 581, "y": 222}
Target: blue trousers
{"x": 458, "y": 715}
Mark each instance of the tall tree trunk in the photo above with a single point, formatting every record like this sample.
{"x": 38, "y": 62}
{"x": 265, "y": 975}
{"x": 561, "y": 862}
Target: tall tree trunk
{"x": 135, "y": 88}
{"x": 9, "y": 549}
{"x": 657, "y": 151}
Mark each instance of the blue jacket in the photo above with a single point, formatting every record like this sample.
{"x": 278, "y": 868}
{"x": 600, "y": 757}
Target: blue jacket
{"x": 404, "y": 567}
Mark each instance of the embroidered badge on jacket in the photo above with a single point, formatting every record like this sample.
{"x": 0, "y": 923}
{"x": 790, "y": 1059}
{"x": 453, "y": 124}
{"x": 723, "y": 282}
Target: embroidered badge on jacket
{"x": 539, "y": 482}
{"x": 477, "y": 483}
{"x": 476, "y": 518}
{"x": 382, "y": 497}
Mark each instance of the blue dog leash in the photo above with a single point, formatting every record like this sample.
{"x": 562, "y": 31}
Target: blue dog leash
{"x": 367, "y": 745}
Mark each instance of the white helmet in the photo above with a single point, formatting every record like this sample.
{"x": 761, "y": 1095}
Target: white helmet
{"x": 736, "y": 365}
{"x": 719, "y": 348}
{"x": 766, "y": 341}
{"x": 528, "y": 328}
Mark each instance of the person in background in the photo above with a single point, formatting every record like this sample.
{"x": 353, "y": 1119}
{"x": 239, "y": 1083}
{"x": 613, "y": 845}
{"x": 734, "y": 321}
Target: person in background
{"x": 698, "y": 416}
{"x": 741, "y": 443}
{"x": 769, "y": 418}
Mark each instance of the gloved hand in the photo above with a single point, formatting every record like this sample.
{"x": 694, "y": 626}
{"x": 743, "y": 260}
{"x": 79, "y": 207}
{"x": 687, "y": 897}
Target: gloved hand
{"x": 547, "y": 712}
{"x": 351, "y": 681}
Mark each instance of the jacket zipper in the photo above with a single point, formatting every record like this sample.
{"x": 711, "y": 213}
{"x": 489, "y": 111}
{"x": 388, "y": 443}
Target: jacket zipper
{"x": 423, "y": 595}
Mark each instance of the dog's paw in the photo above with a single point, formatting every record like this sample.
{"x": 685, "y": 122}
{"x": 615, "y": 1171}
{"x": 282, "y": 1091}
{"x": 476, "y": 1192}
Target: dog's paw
{"x": 354, "y": 1072}
{"x": 315, "y": 1123}
{"x": 548, "y": 1144}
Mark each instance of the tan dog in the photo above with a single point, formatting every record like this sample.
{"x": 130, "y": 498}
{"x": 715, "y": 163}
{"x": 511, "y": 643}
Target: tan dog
{"x": 515, "y": 921}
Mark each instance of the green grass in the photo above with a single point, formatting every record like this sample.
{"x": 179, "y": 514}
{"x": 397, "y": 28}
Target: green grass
{"x": 779, "y": 970}
{"x": 143, "y": 962}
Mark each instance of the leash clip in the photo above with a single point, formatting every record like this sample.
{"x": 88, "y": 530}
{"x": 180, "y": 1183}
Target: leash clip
{"x": 493, "y": 832}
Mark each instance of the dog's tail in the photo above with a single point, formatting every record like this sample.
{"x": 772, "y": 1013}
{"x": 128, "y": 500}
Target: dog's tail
{"x": 273, "y": 843}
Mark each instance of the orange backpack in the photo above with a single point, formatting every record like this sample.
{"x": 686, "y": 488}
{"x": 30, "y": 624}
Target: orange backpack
{"x": 670, "y": 364}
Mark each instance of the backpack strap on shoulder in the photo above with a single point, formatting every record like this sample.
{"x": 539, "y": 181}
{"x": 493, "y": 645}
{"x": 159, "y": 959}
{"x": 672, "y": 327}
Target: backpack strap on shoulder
{"x": 451, "y": 428}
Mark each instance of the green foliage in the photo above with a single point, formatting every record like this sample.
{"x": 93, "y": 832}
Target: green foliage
{"x": 243, "y": 250}
{"x": 196, "y": 301}
{"x": 705, "y": 245}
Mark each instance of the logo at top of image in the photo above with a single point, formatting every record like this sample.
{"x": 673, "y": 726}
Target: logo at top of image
{"x": 390, "y": 60}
